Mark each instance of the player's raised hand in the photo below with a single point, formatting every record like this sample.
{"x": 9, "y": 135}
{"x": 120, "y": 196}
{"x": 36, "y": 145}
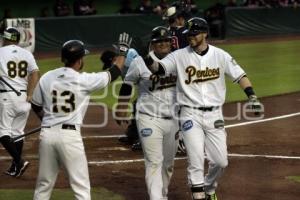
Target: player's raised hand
{"x": 124, "y": 43}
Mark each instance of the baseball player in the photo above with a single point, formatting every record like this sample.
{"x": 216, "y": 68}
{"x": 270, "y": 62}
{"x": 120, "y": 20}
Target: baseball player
{"x": 19, "y": 69}
{"x": 175, "y": 15}
{"x": 201, "y": 70}
{"x": 155, "y": 117}
{"x": 60, "y": 100}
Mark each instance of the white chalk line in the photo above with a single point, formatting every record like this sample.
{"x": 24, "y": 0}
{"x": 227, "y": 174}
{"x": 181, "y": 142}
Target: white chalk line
{"x": 263, "y": 120}
{"x": 233, "y": 155}
{"x": 102, "y": 136}
{"x": 180, "y": 158}
{"x": 227, "y": 126}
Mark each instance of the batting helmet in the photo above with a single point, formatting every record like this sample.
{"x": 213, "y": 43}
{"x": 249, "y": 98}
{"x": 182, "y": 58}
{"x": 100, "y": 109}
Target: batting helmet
{"x": 73, "y": 50}
{"x": 160, "y": 33}
{"x": 196, "y": 25}
{"x": 12, "y": 34}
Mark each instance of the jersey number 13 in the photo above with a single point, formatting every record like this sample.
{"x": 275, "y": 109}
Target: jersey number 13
{"x": 67, "y": 106}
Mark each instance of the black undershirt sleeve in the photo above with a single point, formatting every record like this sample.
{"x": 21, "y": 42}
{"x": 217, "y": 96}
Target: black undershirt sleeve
{"x": 149, "y": 61}
{"x": 115, "y": 72}
{"x": 38, "y": 110}
{"x": 125, "y": 90}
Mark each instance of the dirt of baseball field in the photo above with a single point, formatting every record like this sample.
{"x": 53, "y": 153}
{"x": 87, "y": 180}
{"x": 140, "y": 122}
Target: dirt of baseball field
{"x": 262, "y": 156}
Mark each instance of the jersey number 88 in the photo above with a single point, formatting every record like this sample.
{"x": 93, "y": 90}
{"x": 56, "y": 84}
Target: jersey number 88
{"x": 17, "y": 69}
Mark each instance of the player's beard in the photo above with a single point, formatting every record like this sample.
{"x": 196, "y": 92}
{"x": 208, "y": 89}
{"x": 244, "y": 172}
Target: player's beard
{"x": 196, "y": 41}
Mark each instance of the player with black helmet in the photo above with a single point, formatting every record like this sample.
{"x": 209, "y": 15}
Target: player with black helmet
{"x": 201, "y": 69}
{"x": 60, "y": 100}
{"x": 18, "y": 68}
{"x": 176, "y": 16}
{"x": 155, "y": 114}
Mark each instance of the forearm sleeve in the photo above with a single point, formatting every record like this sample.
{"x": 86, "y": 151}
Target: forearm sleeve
{"x": 115, "y": 72}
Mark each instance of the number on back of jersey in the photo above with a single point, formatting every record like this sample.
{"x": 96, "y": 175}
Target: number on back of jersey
{"x": 17, "y": 69}
{"x": 63, "y": 102}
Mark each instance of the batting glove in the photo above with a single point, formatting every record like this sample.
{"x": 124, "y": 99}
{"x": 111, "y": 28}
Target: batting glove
{"x": 124, "y": 44}
{"x": 255, "y": 105}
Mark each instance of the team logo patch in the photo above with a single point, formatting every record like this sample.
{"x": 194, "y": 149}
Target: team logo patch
{"x": 219, "y": 124}
{"x": 61, "y": 76}
{"x": 162, "y": 32}
{"x": 187, "y": 125}
{"x": 146, "y": 132}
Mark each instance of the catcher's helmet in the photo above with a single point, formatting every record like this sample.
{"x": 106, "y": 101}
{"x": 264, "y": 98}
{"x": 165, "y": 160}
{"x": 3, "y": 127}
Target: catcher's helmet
{"x": 12, "y": 34}
{"x": 196, "y": 25}
{"x": 160, "y": 33}
{"x": 73, "y": 50}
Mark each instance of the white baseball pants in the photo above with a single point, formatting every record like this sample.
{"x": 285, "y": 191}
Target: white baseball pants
{"x": 13, "y": 115}
{"x": 159, "y": 144}
{"x": 202, "y": 135}
{"x": 61, "y": 147}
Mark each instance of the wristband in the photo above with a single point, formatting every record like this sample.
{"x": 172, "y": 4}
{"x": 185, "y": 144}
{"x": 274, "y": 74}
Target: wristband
{"x": 249, "y": 91}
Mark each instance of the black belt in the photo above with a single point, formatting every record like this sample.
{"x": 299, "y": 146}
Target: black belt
{"x": 168, "y": 118}
{"x": 2, "y": 91}
{"x": 205, "y": 109}
{"x": 64, "y": 126}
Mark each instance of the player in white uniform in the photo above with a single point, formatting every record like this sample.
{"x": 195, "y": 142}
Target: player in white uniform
{"x": 19, "y": 69}
{"x": 61, "y": 99}
{"x": 201, "y": 70}
{"x": 155, "y": 115}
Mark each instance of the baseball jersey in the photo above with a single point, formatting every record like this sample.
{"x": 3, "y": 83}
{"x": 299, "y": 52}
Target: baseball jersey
{"x": 179, "y": 40}
{"x": 15, "y": 65}
{"x": 156, "y": 94}
{"x": 64, "y": 94}
{"x": 201, "y": 79}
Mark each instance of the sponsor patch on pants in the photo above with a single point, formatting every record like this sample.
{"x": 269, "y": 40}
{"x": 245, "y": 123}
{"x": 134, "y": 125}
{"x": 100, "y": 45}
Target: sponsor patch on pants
{"x": 187, "y": 125}
{"x": 146, "y": 132}
{"x": 219, "y": 124}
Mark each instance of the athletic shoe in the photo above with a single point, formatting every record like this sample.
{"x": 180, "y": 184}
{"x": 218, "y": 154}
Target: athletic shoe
{"x": 21, "y": 168}
{"x": 211, "y": 197}
{"x": 125, "y": 140}
{"x": 12, "y": 170}
{"x": 136, "y": 146}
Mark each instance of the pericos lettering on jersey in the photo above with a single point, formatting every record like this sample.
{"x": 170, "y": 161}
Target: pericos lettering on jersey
{"x": 195, "y": 76}
{"x": 160, "y": 83}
